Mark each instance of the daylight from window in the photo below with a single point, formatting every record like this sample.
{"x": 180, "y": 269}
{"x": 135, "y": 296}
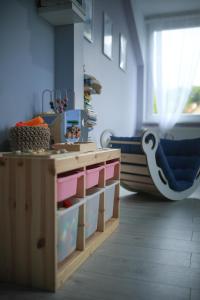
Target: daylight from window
{"x": 174, "y": 64}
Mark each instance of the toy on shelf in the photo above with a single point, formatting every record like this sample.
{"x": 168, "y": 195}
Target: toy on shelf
{"x": 31, "y": 135}
{"x": 91, "y": 84}
{"x": 73, "y": 125}
{"x": 91, "y": 87}
{"x": 38, "y": 121}
{"x": 80, "y": 146}
{"x": 58, "y": 100}
{"x": 65, "y": 125}
{"x": 73, "y": 131}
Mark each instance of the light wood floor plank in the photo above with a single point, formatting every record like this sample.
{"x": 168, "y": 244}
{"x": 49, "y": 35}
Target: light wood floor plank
{"x": 151, "y": 231}
{"x": 156, "y": 243}
{"x": 142, "y": 254}
{"x": 145, "y": 271}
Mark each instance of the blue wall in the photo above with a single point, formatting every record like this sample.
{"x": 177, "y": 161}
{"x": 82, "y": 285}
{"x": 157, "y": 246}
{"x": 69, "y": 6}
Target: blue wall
{"x": 116, "y": 107}
{"x": 26, "y": 62}
{"x": 27, "y": 67}
{"x": 69, "y": 62}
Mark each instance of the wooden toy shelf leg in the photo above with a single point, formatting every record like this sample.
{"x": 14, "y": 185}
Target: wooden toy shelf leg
{"x": 116, "y": 208}
{"x": 117, "y": 172}
{"x": 81, "y": 228}
{"x": 101, "y": 217}
{"x": 101, "y": 179}
{"x": 81, "y": 186}
{"x": 28, "y": 217}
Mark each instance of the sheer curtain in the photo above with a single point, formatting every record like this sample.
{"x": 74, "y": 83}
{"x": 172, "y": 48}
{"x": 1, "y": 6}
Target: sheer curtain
{"x": 176, "y": 57}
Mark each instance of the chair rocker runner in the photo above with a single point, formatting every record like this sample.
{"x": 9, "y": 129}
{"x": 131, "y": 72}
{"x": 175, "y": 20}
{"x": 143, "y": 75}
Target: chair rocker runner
{"x": 167, "y": 167}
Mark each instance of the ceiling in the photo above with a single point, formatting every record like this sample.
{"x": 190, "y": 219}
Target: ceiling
{"x": 160, "y": 7}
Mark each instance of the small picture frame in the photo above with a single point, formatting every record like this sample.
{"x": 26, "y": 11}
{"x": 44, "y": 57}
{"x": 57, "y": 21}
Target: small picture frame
{"x": 122, "y": 52}
{"x": 88, "y": 25}
{"x": 107, "y": 36}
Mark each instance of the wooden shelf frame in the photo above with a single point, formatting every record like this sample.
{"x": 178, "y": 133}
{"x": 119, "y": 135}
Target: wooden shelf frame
{"x": 28, "y": 224}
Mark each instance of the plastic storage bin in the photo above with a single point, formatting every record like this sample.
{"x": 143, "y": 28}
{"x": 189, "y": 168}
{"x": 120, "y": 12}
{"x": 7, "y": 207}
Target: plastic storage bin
{"x": 67, "y": 185}
{"x": 67, "y": 228}
{"x": 109, "y": 200}
{"x": 92, "y": 212}
{"x": 92, "y": 176}
{"x": 110, "y": 169}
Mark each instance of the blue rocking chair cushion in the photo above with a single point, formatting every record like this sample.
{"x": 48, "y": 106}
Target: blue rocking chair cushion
{"x": 127, "y": 148}
{"x": 179, "y": 161}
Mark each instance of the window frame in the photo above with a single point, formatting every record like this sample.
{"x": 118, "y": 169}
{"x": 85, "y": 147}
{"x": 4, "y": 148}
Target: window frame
{"x": 156, "y": 24}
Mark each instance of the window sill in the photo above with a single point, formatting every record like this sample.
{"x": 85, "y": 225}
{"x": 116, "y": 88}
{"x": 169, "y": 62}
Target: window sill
{"x": 185, "y": 121}
{"x": 180, "y": 124}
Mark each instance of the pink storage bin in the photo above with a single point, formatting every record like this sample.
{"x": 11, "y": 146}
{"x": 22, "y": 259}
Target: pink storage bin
{"x": 67, "y": 186}
{"x": 92, "y": 176}
{"x": 109, "y": 169}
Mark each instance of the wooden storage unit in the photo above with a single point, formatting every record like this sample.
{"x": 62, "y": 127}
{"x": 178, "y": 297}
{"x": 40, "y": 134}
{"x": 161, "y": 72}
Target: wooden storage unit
{"x": 28, "y": 209}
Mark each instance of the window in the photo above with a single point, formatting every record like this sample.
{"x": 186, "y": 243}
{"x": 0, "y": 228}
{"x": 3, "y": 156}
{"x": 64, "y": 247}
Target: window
{"x": 193, "y": 103}
{"x": 173, "y": 75}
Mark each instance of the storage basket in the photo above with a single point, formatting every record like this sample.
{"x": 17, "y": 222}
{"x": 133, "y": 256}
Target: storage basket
{"x": 110, "y": 169}
{"x": 67, "y": 185}
{"x": 29, "y": 138}
{"x": 67, "y": 229}
{"x": 109, "y": 200}
{"x": 92, "y": 176}
{"x": 92, "y": 212}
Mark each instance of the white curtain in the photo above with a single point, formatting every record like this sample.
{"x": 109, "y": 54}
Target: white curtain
{"x": 176, "y": 56}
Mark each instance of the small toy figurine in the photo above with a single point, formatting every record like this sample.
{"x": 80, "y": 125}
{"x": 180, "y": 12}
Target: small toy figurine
{"x": 58, "y": 100}
{"x": 38, "y": 121}
{"x": 59, "y": 105}
{"x": 67, "y": 203}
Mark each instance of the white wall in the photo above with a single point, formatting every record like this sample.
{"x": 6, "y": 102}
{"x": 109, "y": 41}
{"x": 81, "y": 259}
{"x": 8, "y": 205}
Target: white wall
{"x": 140, "y": 26}
{"x": 160, "y": 7}
{"x": 116, "y": 107}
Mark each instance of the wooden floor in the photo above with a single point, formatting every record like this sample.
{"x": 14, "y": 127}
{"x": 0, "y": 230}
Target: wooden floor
{"x": 155, "y": 254}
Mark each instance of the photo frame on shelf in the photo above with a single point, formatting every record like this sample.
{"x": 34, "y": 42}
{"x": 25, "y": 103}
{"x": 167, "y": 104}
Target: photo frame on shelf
{"x": 107, "y": 36}
{"x": 122, "y": 52}
{"x": 88, "y": 25}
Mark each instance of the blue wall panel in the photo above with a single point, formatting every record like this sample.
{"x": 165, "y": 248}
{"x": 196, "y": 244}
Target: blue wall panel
{"x": 27, "y": 66}
{"x": 26, "y": 62}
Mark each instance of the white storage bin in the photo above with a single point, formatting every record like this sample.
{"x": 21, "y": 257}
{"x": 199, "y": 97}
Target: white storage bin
{"x": 67, "y": 229}
{"x": 92, "y": 211}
